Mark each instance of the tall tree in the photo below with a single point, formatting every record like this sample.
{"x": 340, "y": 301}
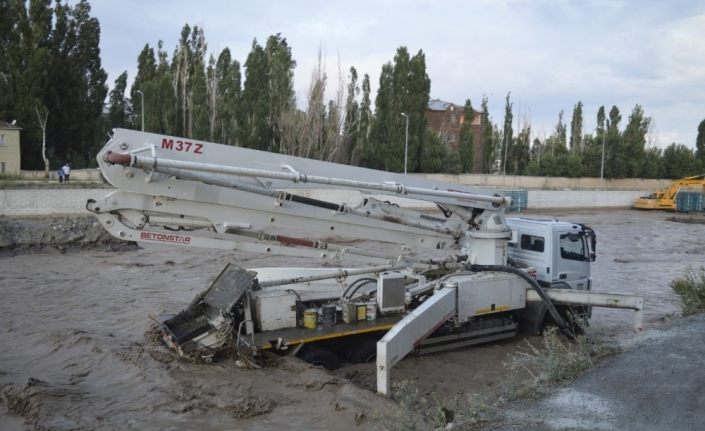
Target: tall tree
{"x": 280, "y": 73}
{"x": 507, "y": 136}
{"x": 227, "y": 97}
{"x": 466, "y": 146}
{"x": 634, "y": 141}
{"x": 614, "y": 155}
{"x": 351, "y": 127}
{"x": 488, "y": 142}
{"x": 117, "y": 105}
{"x": 50, "y": 57}
{"x": 404, "y": 88}
{"x": 576, "y": 128}
{"x": 679, "y": 161}
{"x": 700, "y": 144}
{"x": 365, "y": 155}
{"x": 255, "y": 100}
{"x": 268, "y": 94}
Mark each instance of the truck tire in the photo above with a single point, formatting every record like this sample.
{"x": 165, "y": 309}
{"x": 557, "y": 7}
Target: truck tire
{"x": 320, "y": 356}
{"x": 363, "y": 352}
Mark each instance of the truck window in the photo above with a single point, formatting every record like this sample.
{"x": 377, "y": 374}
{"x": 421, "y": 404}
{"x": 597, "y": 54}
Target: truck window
{"x": 532, "y": 243}
{"x": 572, "y": 247}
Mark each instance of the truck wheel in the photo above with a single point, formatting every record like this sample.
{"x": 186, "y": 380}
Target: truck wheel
{"x": 320, "y": 356}
{"x": 365, "y": 351}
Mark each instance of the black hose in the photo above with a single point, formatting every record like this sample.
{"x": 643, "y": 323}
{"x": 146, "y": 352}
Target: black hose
{"x": 560, "y": 321}
{"x": 358, "y": 284}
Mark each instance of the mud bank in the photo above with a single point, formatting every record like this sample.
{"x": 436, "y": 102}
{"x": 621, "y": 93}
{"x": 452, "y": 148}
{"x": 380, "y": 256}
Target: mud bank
{"x": 31, "y": 234}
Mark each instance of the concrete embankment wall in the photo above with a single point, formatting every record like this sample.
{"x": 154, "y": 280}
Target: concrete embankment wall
{"x": 30, "y": 202}
{"x": 479, "y": 180}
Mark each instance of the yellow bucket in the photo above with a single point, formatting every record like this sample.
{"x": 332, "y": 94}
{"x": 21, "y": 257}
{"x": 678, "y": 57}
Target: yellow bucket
{"x": 311, "y": 318}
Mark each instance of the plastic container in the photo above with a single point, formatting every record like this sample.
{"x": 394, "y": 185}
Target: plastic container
{"x": 371, "y": 310}
{"x": 361, "y": 311}
{"x": 328, "y": 316}
{"x": 349, "y": 312}
{"x": 311, "y": 318}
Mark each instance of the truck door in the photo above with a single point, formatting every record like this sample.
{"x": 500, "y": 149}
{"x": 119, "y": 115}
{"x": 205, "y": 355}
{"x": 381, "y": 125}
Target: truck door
{"x": 571, "y": 261}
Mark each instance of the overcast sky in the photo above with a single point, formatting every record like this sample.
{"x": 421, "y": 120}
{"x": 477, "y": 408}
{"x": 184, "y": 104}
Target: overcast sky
{"x": 549, "y": 54}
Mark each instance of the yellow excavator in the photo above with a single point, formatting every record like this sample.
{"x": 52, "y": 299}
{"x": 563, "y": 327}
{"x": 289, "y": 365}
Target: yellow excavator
{"x": 666, "y": 199}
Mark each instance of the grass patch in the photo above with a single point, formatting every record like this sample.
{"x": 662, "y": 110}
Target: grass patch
{"x": 559, "y": 360}
{"x": 691, "y": 289}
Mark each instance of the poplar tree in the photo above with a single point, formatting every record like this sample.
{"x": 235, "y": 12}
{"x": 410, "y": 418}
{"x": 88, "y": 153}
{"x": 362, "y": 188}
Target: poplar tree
{"x": 507, "y": 137}
{"x": 50, "y": 60}
{"x": 117, "y": 106}
{"x": 466, "y": 146}
{"x": 576, "y": 128}
{"x": 700, "y": 144}
{"x": 404, "y": 88}
{"x": 634, "y": 141}
{"x": 488, "y": 142}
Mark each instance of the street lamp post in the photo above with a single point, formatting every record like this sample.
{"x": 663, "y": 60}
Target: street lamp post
{"x": 406, "y": 140}
{"x": 602, "y": 165}
{"x": 142, "y": 98}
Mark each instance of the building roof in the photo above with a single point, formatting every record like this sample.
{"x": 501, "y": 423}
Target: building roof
{"x": 6, "y": 125}
{"x": 440, "y": 105}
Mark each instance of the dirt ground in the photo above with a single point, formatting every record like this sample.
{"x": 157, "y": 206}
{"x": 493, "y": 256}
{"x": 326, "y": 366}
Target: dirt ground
{"x": 74, "y": 353}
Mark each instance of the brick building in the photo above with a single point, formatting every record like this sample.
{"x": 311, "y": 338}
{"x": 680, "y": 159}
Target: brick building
{"x": 446, "y": 119}
{"x": 9, "y": 148}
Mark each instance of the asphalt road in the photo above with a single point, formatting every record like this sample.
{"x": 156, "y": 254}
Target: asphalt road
{"x": 659, "y": 384}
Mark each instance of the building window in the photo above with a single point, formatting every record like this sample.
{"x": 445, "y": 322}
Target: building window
{"x": 2, "y": 167}
{"x": 452, "y": 118}
{"x": 2, "y": 139}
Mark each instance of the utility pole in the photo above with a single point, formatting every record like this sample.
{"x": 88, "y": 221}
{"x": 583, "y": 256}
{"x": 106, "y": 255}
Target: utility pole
{"x": 602, "y": 165}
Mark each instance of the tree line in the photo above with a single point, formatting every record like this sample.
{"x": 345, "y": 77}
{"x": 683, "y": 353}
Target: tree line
{"x": 50, "y": 69}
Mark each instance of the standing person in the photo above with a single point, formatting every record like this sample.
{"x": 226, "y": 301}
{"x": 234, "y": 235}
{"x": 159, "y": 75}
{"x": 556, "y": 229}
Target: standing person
{"x": 60, "y": 174}
{"x": 67, "y": 172}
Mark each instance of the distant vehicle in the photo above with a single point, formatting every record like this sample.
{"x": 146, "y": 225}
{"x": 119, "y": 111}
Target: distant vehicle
{"x": 666, "y": 199}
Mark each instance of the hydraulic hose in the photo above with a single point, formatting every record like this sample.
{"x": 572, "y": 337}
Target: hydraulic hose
{"x": 560, "y": 321}
{"x": 356, "y": 285}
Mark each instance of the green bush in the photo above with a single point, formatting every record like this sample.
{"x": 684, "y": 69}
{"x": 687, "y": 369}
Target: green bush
{"x": 691, "y": 289}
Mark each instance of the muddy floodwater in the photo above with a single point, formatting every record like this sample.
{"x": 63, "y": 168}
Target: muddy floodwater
{"x": 75, "y": 352}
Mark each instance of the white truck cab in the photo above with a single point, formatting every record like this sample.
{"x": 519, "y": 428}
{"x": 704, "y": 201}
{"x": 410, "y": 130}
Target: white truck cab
{"x": 560, "y": 252}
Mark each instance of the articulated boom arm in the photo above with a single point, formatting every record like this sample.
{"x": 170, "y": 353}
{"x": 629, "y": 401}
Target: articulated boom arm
{"x": 198, "y": 193}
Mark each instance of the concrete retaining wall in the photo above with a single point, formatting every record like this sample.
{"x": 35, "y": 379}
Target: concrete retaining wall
{"x": 500, "y": 181}
{"x": 92, "y": 175}
{"x": 29, "y": 202}
{"x": 548, "y": 183}
{"x": 32, "y": 202}
{"x": 539, "y": 199}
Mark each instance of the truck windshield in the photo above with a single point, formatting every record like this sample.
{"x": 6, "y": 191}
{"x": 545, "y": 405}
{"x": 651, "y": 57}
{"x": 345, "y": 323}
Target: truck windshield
{"x": 572, "y": 247}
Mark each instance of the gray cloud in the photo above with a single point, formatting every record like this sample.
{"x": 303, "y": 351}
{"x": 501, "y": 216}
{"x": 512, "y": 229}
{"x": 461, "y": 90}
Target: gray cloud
{"x": 549, "y": 54}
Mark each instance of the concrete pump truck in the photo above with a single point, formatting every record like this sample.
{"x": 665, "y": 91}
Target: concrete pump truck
{"x": 459, "y": 275}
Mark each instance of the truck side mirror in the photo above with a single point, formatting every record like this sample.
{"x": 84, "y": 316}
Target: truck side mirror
{"x": 593, "y": 256}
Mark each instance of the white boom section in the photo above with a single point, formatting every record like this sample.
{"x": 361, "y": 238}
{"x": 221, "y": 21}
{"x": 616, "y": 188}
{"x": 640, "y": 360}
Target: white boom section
{"x": 152, "y": 150}
{"x": 411, "y": 330}
{"x": 236, "y": 196}
{"x": 595, "y": 299}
